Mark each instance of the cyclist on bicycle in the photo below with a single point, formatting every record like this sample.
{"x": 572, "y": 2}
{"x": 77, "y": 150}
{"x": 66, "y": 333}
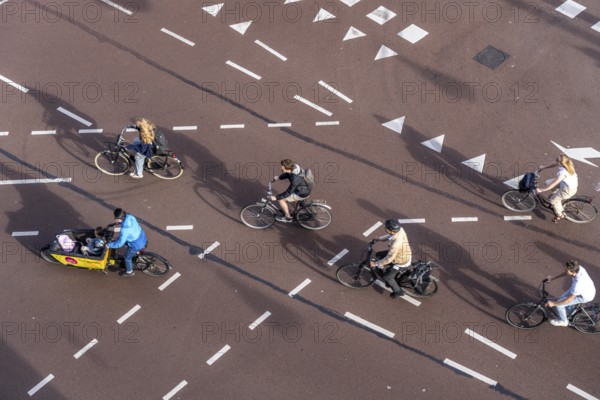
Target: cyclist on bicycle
{"x": 296, "y": 191}
{"x": 582, "y": 290}
{"x": 398, "y": 256}
{"x": 566, "y": 179}
{"x": 132, "y": 235}
{"x": 142, "y": 145}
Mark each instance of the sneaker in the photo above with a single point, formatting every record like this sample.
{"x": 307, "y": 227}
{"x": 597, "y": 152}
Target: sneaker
{"x": 397, "y": 295}
{"x": 135, "y": 176}
{"x": 124, "y": 274}
{"x": 282, "y": 218}
{"x": 558, "y": 322}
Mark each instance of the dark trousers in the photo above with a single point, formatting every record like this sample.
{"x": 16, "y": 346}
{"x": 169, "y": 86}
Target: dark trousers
{"x": 389, "y": 276}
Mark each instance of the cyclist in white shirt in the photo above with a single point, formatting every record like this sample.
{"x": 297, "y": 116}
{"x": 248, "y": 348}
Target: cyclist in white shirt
{"x": 566, "y": 179}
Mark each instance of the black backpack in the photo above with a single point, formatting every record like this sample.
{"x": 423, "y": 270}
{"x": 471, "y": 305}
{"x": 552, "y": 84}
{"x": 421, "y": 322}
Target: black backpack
{"x": 528, "y": 182}
{"x": 160, "y": 143}
{"x": 421, "y": 276}
{"x": 309, "y": 178}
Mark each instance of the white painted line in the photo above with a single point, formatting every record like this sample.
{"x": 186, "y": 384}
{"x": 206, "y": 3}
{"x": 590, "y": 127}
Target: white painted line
{"x": 129, "y": 314}
{"x": 218, "y": 355}
{"x": 372, "y": 229}
{"x": 327, "y": 123}
{"x": 580, "y": 392}
{"x": 185, "y": 128}
{"x": 313, "y": 105}
{"x": 335, "y": 91}
{"x": 270, "y": 50}
{"x": 169, "y": 281}
{"x": 3, "y": 133}
{"x": 244, "y": 70}
{"x": 406, "y": 297}
{"x": 210, "y": 248}
{"x": 470, "y": 372}
{"x": 179, "y": 227}
{"x": 176, "y": 36}
{"x": 493, "y": 345}
{"x": 131, "y": 130}
{"x": 40, "y": 385}
{"x": 279, "y": 125}
{"x": 27, "y": 181}
{"x": 596, "y": 26}
{"x": 517, "y": 218}
{"x": 412, "y": 221}
{"x": 464, "y": 219}
{"x": 3, "y": 1}
{"x": 16, "y": 85}
{"x": 233, "y": 126}
{"x": 174, "y": 391}
{"x": 74, "y": 116}
{"x": 299, "y": 287}
{"x": 570, "y": 8}
{"x": 259, "y": 320}
{"x": 85, "y": 348}
{"x": 118, "y": 7}
{"x": 369, "y": 325}
{"x": 43, "y": 132}
{"x": 337, "y": 257}
{"x": 90, "y": 130}
{"x": 25, "y": 233}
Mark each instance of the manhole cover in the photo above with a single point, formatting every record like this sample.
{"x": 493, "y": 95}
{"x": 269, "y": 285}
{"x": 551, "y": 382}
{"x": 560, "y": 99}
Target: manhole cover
{"x": 491, "y": 57}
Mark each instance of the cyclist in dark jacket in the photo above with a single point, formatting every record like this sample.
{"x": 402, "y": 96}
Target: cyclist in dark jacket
{"x": 296, "y": 191}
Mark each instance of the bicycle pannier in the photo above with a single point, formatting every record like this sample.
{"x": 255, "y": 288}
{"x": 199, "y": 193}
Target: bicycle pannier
{"x": 161, "y": 145}
{"x": 421, "y": 276}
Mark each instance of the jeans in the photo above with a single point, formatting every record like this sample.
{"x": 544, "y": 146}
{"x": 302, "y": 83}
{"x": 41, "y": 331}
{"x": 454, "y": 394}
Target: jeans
{"x": 139, "y": 164}
{"x": 565, "y": 309}
{"x": 129, "y": 254}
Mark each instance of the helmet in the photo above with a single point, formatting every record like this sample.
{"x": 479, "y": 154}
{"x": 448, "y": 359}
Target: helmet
{"x": 98, "y": 243}
{"x": 392, "y": 225}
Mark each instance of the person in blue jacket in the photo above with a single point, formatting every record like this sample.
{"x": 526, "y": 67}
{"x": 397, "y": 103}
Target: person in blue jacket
{"x": 131, "y": 235}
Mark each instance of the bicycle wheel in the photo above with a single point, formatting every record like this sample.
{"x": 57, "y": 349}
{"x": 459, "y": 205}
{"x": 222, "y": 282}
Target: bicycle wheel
{"x": 579, "y": 211}
{"x": 517, "y": 201}
{"x": 152, "y": 264}
{"x": 525, "y": 315}
{"x": 355, "y": 276}
{"x": 112, "y": 163}
{"x": 408, "y": 287}
{"x": 164, "y": 167}
{"x": 45, "y": 254}
{"x": 314, "y": 217}
{"x": 257, "y": 216}
{"x": 587, "y": 320}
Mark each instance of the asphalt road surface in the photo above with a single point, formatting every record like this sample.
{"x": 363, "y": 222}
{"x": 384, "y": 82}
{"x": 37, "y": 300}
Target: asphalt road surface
{"x": 387, "y": 103}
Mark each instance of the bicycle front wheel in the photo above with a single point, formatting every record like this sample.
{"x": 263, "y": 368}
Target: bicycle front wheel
{"x": 525, "y": 316}
{"x": 112, "y": 162}
{"x": 355, "y": 276}
{"x": 314, "y": 217}
{"x": 408, "y": 287}
{"x": 579, "y": 211}
{"x": 587, "y": 320}
{"x": 257, "y": 216}
{"x": 45, "y": 254}
{"x": 152, "y": 264}
{"x": 164, "y": 167}
{"x": 517, "y": 201}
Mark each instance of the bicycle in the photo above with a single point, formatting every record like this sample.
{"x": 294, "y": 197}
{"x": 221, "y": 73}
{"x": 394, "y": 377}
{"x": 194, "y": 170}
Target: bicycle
{"x": 578, "y": 209}
{"x": 145, "y": 261}
{"x": 585, "y": 317}
{"x": 361, "y": 275}
{"x": 310, "y": 214}
{"x": 116, "y": 160}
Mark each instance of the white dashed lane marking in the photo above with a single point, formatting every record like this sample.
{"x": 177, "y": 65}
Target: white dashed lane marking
{"x": 218, "y": 355}
{"x": 43, "y": 132}
{"x": 313, "y": 105}
{"x": 16, "y": 85}
{"x": 470, "y": 372}
{"x": 369, "y": 325}
{"x": 406, "y": 297}
{"x": 279, "y": 125}
{"x": 464, "y": 219}
{"x": 299, "y": 288}
{"x": 178, "y": 37}
{"x": 491, "y": 344}
{"x": 412, "y": 221}
{"x": 372, "y": 229}
{"x": 244, "y": 70}
{"x": 25, "y": 233}
{"x": 327, "y": 123}
{"x": 174, "y": 391}
{"x": 91, "y": 130}
{"x": 74, "y": 116}
{"x": 337, "y": 257}
{"x": 233, "y": 126}
{"x": 180, "y": 227}
{"x": 40, "y": 385}
{"x": 517, "y": 217}
{"x": 580, "y": 392}
{"x": 3, "y": 133}
{"x": 118, "y": 7}
{"x": 85, "y": 348}
{"x": 29, "y": 181}
{"x": 185, "y": 128}
{"x": 209, "y": 249}
{"x": 270, "y": 50}
{"x": 128, "y": 314}
{"x": 336, "y": 92}
{"x": 169, "y": 281}
{"x": 259, "y": 320}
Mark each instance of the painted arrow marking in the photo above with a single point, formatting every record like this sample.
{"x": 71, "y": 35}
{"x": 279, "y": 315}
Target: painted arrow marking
{"x": 580, "y": 153}
{"x": 435, "y": 144}
{"x": 476, "y": 163}
{"x": 395, "y": 124}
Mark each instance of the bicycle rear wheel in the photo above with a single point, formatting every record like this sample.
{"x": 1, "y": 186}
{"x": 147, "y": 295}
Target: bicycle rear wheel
{"x": 408, "y": 287}
{"x": 152, "y": 264}
{"x": 257, "y": 216}
{"x": 112, "y": 162}
{"x": 517, "y": 201}
{"x": 525, "y": 315}
{"x": 314, "y": 217}
{"x": 579, "y": 211}
{"x": 164, "y": 167}
{"x": 355, "y": 276}
{"x": 587, "y": 320}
